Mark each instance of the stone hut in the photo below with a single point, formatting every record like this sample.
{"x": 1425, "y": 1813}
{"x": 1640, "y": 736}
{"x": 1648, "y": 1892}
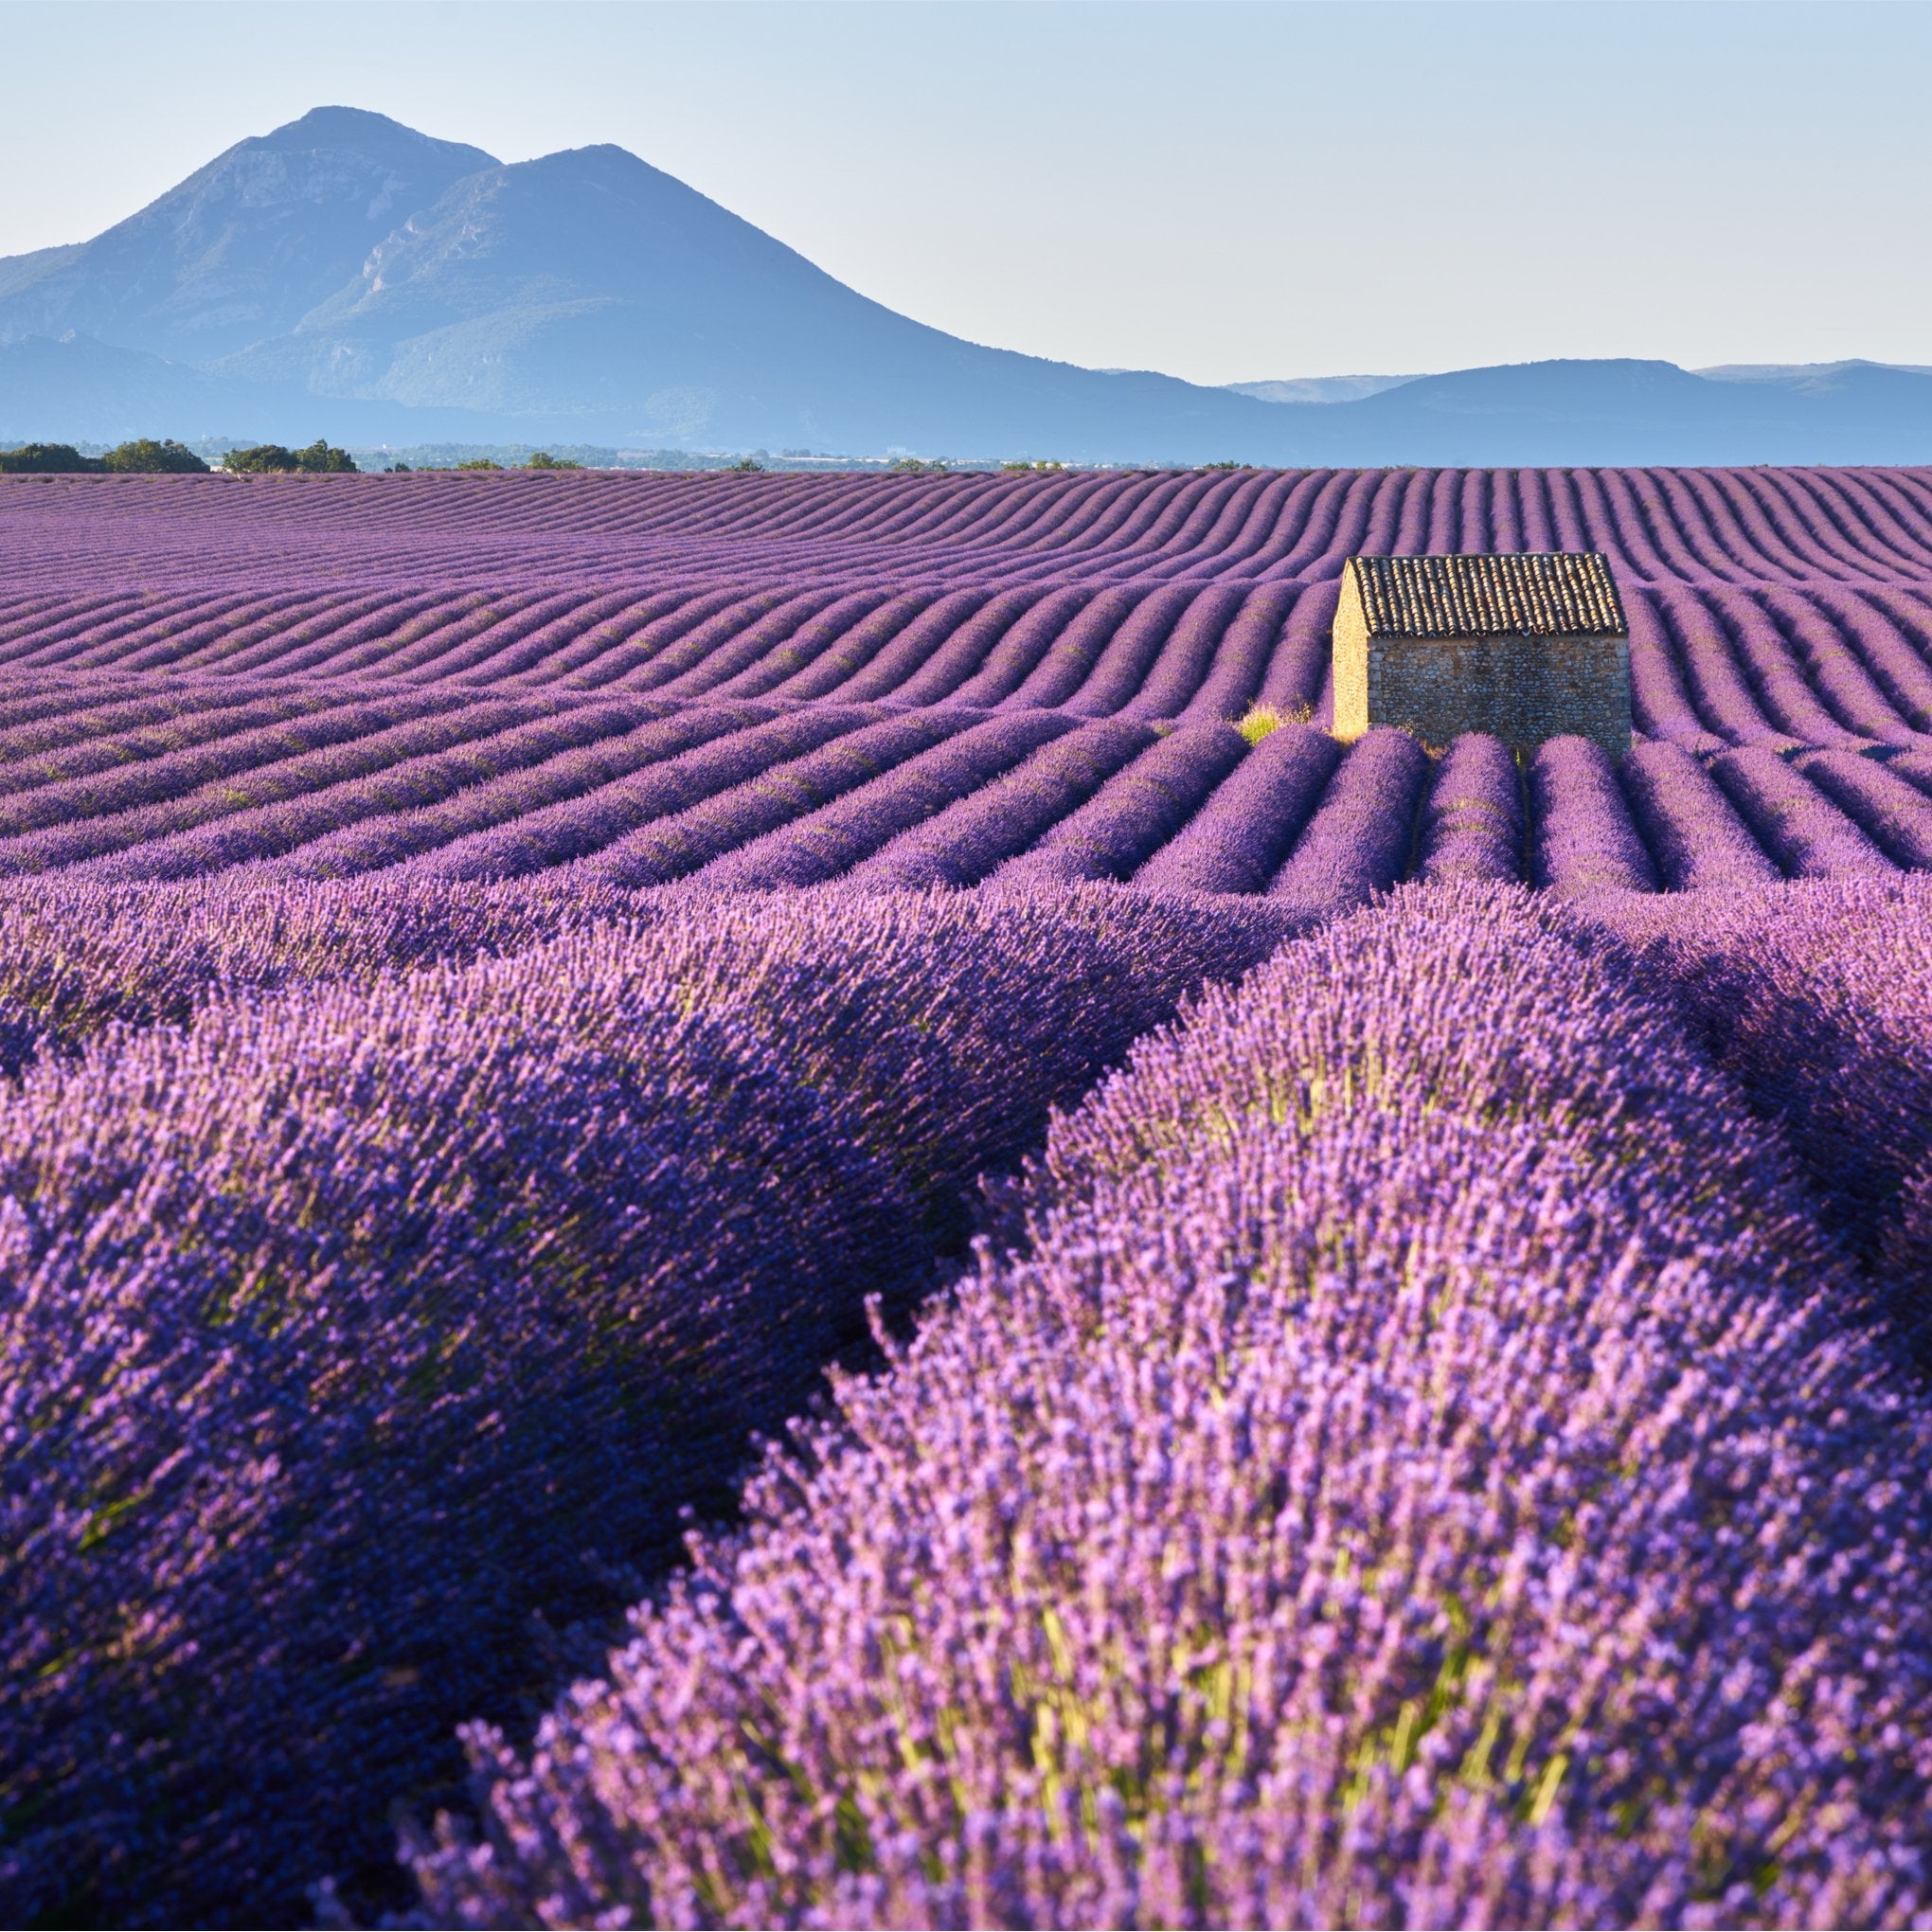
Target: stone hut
{"x": 1526, "y": 647}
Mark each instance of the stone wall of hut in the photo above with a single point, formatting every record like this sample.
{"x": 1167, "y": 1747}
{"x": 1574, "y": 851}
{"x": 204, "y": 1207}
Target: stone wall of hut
{"x": 1521, "y": 690}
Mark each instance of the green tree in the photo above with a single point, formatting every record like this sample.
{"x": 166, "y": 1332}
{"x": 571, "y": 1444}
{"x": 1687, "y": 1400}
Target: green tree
{"x": 543, "y": 459}
{"x": 477, "y": 463}
{"x": 260, "y": 459}
{"x": 146, "y": 454}
{"x": 324, "y": 459}
{"x": 47, "y": 459}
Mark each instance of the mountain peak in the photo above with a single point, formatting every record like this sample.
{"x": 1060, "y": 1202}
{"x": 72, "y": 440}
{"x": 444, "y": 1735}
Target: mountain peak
{"x": 358, "y": 129}
{"x": 247, "y": 246}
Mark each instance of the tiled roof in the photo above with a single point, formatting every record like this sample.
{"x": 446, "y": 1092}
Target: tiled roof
{"x": 1547, "y": 593}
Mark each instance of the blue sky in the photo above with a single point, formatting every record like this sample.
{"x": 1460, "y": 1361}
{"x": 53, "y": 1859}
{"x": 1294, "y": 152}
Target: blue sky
{"x": 1223, "y": 192}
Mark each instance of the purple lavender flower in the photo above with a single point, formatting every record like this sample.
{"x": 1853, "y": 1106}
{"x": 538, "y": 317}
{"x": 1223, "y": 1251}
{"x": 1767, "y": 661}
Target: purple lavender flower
{"x": 1585, "y": 837}
{"x": 359, "y": 1325}
{"x": 1236, "y": 841}
{"x": 1472, "y": 824}
{"x": 1135, "y": 812}
{"x": 1358, "y": 841}
{"x": 1690, "y": 825}
{"x": 1315, "y": 1525}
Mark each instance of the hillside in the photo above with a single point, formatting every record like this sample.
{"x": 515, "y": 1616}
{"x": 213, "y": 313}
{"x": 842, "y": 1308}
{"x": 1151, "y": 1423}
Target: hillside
{"x": 348, "y": 259}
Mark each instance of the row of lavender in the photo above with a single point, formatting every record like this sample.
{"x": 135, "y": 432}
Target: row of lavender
{"x": 1163, "y": 653}
{"x": 1429, "y": 1454}
{"x": 1660, "y": 526}
{"x": 364, "y": 1337}
{"x": 1775, "y": 665}
{"x": 331, "y": 781}
{"x": 1436, "y": 1458}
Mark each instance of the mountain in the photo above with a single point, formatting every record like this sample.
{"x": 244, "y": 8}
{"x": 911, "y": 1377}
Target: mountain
{"x": 1623, "y": 411}
{"x": 590, "y": 295}
{"x": 598, "y": 296}
{"x": 1319, "y": 388}
{"x": 1616, "y": 411}
{"x": 1802, "y": 375}
{"x": 346, "y": 276}
{"x": 245, "y": 247}
{"x": 77, "y": 388}
{"x": 18, "y": 271}
{"x": 390, "y": 277}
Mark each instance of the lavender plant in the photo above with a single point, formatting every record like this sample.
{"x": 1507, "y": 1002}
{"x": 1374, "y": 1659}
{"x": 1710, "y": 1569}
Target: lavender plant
{"x": 1472, "y": 823}
{"x": 829, "y": 842}
{"x": 1134, "y": 813}
{"x": 1585, "y": 837}
{"x": 358, "y": 1326}
{"x": 1442, "y": 1438}
{"x": 1689, "y": 825}
{"x": 1794, "y": 822}
{"x": 1430, "y": 1467}
{"x": 966, "y": 841}
{"x": 1236, "y": 841}
{"x": 1359, "y": 840}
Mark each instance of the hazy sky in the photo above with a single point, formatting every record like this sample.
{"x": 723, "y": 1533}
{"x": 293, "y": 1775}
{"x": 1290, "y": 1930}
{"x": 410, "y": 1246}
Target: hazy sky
{"x": 1221, "y": 192}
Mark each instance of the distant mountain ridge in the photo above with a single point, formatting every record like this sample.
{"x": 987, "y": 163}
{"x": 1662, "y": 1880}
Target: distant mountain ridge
{"x": 1319, "y": 388}
{"x": 1803, "y": 374}
{"x": 346, "y": 276}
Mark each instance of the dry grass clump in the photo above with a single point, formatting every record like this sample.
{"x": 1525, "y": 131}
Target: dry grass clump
{"x": 1258, "y": 719}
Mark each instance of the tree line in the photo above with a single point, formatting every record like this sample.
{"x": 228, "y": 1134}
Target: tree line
{"x": 145, "y": 455}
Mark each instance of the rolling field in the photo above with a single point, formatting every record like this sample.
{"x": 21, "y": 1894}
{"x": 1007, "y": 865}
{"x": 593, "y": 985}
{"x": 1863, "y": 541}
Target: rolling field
{"x": 484, "y": 677}
{"x": 1378, "y": 1302}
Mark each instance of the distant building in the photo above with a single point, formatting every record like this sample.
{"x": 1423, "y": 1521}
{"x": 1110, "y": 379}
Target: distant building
{"x": 1525, "y": 647}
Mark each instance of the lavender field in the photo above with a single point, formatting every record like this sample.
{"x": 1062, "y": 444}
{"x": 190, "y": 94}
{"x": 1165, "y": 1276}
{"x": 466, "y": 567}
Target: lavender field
{"x": 1376, "y": 1298}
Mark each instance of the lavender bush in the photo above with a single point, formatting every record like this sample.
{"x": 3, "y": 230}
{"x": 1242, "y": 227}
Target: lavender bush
{"x": 1429, "y": 1469}
{"x": 1792, "y": 821}
{"x": 371, "y": 842}
{"x": 1442, "y": 1438}
{"x": 1358, "y": 842}
{"x": 1585, "y": 839}
{"x": 979, "y": 590}
{"x": 1818, "y": 1000}
{"x": 743, "y": 745}
{"x": 827, "y": 843}
{"x": 357, "y": 1326}
{"x": 671, "y": 847}
{"x": 969, "y": 838}
{"x": 1890, "y": 810}
{"x": 1688, "y": 823}
{"x": 1236, "y": 841}
{"x": 1135, "y": 812}
{"x": 1472, "y": 823}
